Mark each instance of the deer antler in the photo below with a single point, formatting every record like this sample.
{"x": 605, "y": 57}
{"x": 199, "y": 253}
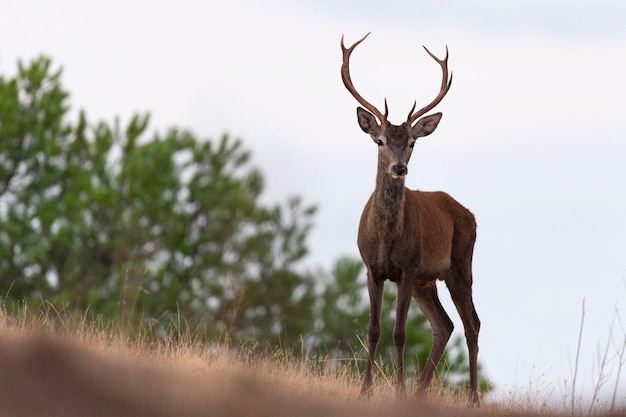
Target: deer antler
{"x": 347, "y": 81}
{"x": 445, "y": 86}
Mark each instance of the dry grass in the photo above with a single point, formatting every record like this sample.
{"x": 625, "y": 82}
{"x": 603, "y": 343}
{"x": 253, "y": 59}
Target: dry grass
{"x": 54, "y": 364}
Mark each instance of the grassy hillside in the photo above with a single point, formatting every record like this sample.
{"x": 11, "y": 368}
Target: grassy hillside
{"x": 62, "y": 366}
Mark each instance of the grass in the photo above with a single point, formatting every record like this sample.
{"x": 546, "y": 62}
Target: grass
{"x": 57, "y": 364}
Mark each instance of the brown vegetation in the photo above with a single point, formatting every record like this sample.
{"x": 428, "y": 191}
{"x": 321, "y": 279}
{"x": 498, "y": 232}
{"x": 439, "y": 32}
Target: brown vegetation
{"x": 44, "y": 375}
{"x": 76, "y": 370}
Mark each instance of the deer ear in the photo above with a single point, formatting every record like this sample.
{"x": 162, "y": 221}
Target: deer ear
{"x": 367, "y": 122}
{"x": 425, "y": 126}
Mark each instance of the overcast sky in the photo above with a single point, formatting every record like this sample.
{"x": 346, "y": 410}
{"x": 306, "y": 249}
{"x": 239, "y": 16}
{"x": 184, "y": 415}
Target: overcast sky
{"x": 533, "y": 138}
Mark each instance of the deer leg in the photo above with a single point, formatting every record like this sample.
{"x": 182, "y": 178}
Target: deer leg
{"x": 403, "y": 301}
{"x": 441, "y": 325}
{"x": 461, "y": 292}
{"x": 375, "y": 289}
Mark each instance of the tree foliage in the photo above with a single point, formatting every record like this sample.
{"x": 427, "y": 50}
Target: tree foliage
{"x": 104, "y": 218}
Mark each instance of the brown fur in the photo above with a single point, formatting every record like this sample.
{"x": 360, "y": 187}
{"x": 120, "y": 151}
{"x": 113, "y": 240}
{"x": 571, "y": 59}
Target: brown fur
{"x": 413, "y": 238}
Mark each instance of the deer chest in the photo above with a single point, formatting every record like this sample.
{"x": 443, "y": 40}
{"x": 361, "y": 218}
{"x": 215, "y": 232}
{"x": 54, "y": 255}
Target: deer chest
{"x": 386, "y": 257}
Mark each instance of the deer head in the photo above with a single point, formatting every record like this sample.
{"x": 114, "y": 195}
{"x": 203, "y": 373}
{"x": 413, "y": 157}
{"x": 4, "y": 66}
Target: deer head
{"x": 395, "y": 142}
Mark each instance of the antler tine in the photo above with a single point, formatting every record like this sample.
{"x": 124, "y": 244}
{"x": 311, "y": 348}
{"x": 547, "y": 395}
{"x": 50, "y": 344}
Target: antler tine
{"x": 445, "y": 86}
{"x": 347, "y": 81}
{"x": 408, "y": 119}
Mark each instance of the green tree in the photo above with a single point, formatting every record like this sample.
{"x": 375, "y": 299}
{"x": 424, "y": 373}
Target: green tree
{"x": 106, "y": 219}
{"x": 343, "y": 313}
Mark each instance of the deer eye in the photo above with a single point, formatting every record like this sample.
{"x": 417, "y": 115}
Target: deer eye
{"x": 379, "y": 142}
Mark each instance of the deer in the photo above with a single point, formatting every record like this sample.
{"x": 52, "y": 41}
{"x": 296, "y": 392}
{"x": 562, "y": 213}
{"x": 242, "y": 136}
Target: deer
{"x": 413, "y": 238}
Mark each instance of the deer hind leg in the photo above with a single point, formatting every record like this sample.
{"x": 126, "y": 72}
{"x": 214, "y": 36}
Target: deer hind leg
{"x": 461, "y": 291}
{"x": 375, "y": 289}
{"x": 428, "y": 301}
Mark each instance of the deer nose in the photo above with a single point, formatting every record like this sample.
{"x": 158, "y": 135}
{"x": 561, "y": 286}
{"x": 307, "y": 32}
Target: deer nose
{"x": 399, "y": 170}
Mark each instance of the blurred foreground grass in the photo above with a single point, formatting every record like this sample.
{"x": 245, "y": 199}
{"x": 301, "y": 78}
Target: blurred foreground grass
{"x": 58, "y": 364}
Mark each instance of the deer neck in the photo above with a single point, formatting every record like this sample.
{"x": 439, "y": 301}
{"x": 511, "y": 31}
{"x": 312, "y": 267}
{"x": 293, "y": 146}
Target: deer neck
{"x": 388, "y": 201}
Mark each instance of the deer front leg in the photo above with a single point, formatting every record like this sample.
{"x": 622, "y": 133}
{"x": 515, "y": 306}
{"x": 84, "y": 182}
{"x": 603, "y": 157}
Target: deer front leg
{"x": 405, "y": 290}
{"x": 375, "y": 289}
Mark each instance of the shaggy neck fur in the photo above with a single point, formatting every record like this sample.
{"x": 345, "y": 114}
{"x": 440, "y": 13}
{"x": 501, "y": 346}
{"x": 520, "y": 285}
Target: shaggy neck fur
{"x": 388, "y": 201}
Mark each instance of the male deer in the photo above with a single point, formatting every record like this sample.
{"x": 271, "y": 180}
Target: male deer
{"x": 413, "y": 238}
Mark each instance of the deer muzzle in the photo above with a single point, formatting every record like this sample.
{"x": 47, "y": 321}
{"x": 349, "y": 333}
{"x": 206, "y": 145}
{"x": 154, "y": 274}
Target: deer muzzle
{"x": 398, "y": 171}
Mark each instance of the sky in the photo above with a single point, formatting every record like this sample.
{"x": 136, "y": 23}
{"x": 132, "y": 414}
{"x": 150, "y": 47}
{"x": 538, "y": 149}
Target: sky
{"x": 532, "y": 141}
